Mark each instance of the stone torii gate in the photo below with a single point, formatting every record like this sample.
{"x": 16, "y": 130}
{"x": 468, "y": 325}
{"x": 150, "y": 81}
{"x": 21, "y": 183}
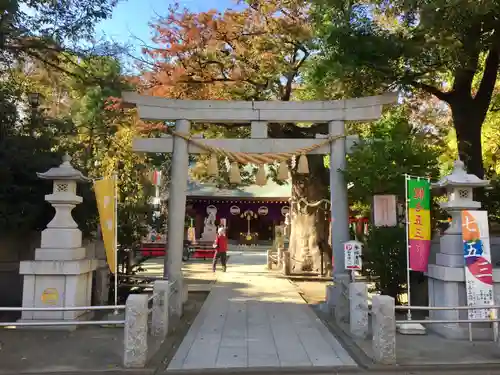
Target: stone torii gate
{"x": 258, "y": 115}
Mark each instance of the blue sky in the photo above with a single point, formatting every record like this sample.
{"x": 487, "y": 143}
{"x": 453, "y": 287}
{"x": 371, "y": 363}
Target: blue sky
{"x": 131, "y": 18}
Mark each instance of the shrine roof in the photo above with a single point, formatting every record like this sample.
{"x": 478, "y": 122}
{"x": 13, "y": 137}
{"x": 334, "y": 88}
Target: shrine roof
{"x": 270, "y": 190}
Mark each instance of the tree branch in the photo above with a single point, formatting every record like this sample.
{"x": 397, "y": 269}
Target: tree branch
{"x": 469, "y": 60}
{"x": 441, "y": 95}
{"x": 487, "y": 85}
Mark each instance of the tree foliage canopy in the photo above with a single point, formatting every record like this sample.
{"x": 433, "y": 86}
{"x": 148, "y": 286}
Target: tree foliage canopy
{"x": 77, "y": 118}
{"x": 374, "y": 45}
{"x": 252, "y": 54}
{"x": 52, "y": 32}
{"x": 392, "y": 147}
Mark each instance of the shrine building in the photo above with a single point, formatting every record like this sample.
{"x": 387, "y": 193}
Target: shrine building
{"x": 249, "y": 213}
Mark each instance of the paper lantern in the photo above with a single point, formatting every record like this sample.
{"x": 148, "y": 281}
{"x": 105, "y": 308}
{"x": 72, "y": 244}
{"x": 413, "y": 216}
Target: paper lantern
{"x": 260, "y": 177}
{"x": 283, "y": 171}
{"x": 234, "y": 174}
{"x": 303, "y": 167}
{"x": 213, "y": 167}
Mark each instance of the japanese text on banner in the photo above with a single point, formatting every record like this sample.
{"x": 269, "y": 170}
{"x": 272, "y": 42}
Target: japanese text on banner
{"x": 477, "y": 259}
{"x": 419, "y": 223}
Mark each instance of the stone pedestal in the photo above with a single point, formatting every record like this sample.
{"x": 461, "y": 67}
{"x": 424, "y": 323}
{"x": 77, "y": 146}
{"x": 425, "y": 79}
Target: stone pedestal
{"x": 209, "y": 234}
{"x": 56, "y": 284}
{"x": 447, "y": 288}
{"x": 61, "y": 274}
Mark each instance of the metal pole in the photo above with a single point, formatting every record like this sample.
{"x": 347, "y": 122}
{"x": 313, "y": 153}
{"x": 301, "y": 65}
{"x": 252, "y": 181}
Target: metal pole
{"x": 407, "y": 178}
{"x": 115, "y": 176}
{"x": 494, "y": 313}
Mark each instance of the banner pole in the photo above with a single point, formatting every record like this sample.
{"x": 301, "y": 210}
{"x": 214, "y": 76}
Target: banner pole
{"x": 115, "y": 178}
{"x": 407, "y": 177}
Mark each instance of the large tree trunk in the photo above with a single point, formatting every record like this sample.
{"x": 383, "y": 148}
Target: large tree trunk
{"x": 310, "y": 225}
{"x": 468, "y": 125}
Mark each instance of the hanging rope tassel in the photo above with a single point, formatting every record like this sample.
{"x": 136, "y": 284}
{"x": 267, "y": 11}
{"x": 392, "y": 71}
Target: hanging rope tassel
{"x": 234, "y": 174}
{"x": 303, "y": 167}
{"x": 260, "y": 177}
{"x": 213, "y": 167}
{"x": 283, "y": 171}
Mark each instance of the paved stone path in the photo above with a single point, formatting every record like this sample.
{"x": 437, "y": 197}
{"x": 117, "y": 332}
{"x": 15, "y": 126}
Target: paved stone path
{"x": 252, "y": 319}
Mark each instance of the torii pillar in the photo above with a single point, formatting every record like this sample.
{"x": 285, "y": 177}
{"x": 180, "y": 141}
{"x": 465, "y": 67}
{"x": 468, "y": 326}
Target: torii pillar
{"x": 258, "y": 115}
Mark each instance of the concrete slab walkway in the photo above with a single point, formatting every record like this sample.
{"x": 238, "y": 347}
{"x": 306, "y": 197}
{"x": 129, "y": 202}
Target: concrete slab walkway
{"x": 253, "y": 319}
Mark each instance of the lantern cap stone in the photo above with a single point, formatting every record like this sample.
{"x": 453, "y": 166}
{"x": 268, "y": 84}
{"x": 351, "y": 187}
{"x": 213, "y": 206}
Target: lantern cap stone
{"x": 459, "y": 177}
{"x": 65, "y": 171}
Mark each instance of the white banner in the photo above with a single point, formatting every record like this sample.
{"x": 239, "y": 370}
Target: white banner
{"x": 478, "y": 267}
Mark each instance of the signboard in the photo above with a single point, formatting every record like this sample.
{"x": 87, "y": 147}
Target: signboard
{"x": 477, "y": 260}
{"x": 384, "y": 211}
{"x": 419, "y": 223}
{"x": 50, "y": 296}
{"x": 352, "y": 255}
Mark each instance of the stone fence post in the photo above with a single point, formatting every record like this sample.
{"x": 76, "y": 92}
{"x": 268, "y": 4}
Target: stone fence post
{"x": 286, "y": 263}
{"x": 280, "y": 256}
{"x": 269, "y": 259}
{"x": 358, "y": 315}
{"x": 330, "y": 298}
{"x": 159, "y": 319}
{"x": 136, "y": 331}
{"x": 384, "y": 329}
{"x": 185, "y": 293}
{"x": 177, "y": 297}
{"x": 341, "y": 295}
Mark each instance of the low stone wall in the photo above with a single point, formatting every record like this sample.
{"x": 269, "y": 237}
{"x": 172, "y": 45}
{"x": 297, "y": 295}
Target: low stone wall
{"x": 167, "y": 302}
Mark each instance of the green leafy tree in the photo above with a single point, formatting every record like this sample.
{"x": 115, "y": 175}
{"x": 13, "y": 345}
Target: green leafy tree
{"x": 21, "y": 156}
{"x": 101, "y": 140}
{"x": 417, "y": 45}
{"x": 80, "y": 119}
{"x": 384, "y": 259}
{"x": 51, "y": 32}
{"x": 389, "y": 149}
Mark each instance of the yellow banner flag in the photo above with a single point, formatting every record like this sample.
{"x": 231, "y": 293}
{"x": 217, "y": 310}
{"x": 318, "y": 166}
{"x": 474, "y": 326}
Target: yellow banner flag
{"x": 105, "y": 196}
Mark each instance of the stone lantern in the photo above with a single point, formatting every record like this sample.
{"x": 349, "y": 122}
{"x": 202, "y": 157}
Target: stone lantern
{"x": 459, "y": 187}
{"x": 446, "y": 276}
{"x": 60, "y": 275}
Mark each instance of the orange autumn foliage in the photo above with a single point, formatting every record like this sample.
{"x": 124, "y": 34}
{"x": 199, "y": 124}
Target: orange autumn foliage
{"x": 251, "y": 54}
